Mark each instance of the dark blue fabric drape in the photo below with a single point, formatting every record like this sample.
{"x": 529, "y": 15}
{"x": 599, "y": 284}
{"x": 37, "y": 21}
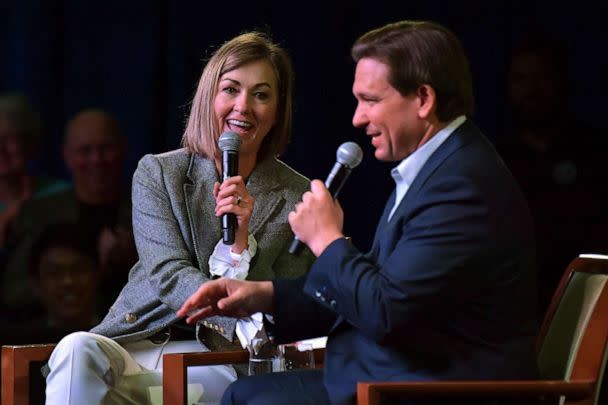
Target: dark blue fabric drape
{"x": 140, "y": 60}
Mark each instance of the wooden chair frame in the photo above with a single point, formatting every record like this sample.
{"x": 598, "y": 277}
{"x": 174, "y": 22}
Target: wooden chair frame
{"x": 16, "y": 362}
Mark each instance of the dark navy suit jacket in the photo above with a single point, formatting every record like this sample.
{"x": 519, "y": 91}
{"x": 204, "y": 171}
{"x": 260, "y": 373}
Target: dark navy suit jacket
{"x": 447, "y": 291}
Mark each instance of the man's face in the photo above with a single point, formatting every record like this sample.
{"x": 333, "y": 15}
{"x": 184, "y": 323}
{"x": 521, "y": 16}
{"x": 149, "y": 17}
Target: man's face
{"x": 390, "y": 119}
{"x": 535, "y": 91}
{"x": 93, "y": 153}
{"x": 67, "y": 284}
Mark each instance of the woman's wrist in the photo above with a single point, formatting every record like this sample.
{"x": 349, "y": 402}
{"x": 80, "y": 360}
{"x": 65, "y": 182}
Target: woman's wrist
{"x": 240, "y": 244}
{"x": 249, "y": 247}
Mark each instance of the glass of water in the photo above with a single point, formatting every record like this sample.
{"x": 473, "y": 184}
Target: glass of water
{"x": 264, "y": 357}
{"x": 297, "y": 356}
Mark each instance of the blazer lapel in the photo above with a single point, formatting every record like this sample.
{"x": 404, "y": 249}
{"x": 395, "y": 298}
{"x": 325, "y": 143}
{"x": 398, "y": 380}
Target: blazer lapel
{"x": 266, "y": 190}
{"x": 198, "y": 195}
{"x": 460, "y": 137}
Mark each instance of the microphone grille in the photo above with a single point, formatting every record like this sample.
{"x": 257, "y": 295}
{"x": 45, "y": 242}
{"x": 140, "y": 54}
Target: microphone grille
{"x": 349, "y": 154}
{"x": 229, "y": 141}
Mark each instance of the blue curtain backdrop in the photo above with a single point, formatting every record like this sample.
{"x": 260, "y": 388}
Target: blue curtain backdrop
{"x": 140, "y": 60}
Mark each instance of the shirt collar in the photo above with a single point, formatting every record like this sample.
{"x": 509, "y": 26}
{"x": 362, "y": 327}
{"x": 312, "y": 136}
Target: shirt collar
{"x": 406, "y": 171}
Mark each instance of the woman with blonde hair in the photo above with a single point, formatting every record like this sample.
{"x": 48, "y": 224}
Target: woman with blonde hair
{"x": 178, "y": 199}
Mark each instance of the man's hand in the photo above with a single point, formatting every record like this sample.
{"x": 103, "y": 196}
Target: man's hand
{"x": 318, "y": 219}
{"x": 228, "y": 297}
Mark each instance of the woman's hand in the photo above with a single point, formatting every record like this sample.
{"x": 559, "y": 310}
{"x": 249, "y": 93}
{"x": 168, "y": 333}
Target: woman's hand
{"x": 232, "y": 197}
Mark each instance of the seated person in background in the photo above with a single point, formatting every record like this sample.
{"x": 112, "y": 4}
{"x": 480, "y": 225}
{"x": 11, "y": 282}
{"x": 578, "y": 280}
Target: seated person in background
{"x": 64, "y": 271}
{"x": 20, "y": 133}
{"x": 93, "y": 151}
{"x": 246, "y": 87}
{"x": 557, "y": 159}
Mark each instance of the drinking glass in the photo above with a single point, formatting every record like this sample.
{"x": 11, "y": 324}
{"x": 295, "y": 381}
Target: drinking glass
{"x": 264, "y": 357}
{"x": 297, "y": 356}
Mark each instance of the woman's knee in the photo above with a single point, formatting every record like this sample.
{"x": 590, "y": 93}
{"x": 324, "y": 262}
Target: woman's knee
{"x": 75, "y": 345}
{"x": 77, "y": 342}
{"x": 77, "y": 339}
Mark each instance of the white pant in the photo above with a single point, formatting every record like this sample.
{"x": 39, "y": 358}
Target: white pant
{"x": 87, "y": 368}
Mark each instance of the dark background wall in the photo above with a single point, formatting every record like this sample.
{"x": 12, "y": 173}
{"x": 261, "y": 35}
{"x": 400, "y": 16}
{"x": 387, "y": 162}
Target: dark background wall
{"x": 140, "y": 60}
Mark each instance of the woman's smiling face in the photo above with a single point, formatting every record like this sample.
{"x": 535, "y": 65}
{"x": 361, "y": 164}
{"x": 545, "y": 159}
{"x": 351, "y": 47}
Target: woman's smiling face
{"x": 246, "y": 103}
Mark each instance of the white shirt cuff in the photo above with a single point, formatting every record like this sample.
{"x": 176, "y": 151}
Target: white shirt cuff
{"x": 225, "y": 263}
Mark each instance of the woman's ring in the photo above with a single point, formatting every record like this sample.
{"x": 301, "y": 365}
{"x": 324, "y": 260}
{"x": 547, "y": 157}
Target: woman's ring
{"x": 238, "y": 200}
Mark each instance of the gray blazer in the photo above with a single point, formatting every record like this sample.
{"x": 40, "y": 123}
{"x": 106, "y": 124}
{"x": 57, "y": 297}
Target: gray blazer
{"x": 176, "y": 230}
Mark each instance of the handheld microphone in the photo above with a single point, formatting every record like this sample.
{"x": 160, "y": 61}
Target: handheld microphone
{"x": 229, "y": 143}
{"x": 348, "y": 156}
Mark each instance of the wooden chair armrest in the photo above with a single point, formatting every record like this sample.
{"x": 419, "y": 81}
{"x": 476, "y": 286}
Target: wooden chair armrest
{"x": 175, "y": 366}
{"x": 16, "y": 371}
{"x": 368, "y": 393}
{"x": 175, "y": 370}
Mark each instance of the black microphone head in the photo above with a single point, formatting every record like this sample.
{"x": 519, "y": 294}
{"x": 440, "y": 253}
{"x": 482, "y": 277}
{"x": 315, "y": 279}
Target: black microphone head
{"x": 229, "y": 141}
{"x": 349, "y": 154}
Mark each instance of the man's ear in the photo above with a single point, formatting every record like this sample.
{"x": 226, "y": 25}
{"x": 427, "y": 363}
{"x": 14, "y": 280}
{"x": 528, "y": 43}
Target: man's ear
{"x": 428, "y": 100}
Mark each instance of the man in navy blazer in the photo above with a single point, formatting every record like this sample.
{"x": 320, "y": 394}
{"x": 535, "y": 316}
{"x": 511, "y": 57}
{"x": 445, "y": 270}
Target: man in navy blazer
{"x": 447, "y": 291}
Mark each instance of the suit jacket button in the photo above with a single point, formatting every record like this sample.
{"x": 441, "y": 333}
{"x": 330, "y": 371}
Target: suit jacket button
{"x": 333, "y": 303}
{"x": 130, "y": 318}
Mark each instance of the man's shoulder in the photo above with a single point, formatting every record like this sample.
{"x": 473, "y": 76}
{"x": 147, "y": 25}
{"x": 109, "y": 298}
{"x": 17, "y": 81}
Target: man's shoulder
{"x": 38, "y": 212}
{"x": 62, "y": 200}
{"x": 46, "y": 186}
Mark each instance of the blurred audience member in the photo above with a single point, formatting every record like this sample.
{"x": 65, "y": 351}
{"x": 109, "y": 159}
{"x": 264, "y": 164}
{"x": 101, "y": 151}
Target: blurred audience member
{"x": 20, "y": 135}
{"x": 94, "y": 151}
{"x": 555, "y": 157}
{"x": 64, "y": 271}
